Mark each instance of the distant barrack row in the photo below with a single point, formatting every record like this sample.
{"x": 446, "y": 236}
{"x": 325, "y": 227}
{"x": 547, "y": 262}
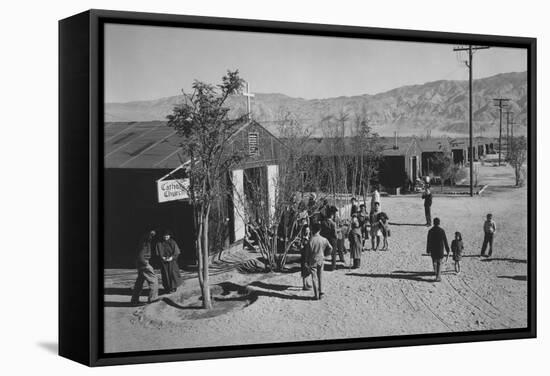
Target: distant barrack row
{"x": 153, "y": 144}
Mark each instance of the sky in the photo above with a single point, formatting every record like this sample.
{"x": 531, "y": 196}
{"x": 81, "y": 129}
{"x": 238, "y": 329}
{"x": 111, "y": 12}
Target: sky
{"x": 149, "y": 62}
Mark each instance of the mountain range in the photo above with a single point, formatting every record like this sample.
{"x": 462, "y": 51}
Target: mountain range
{"x": 440, "y": 107}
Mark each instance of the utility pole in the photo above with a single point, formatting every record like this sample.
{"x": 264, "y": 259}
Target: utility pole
{"x": 471, "y": 50}
{"x": 512, "y": 135}
{"x": 508, "y": 113}
{"x": 500, "y": 103}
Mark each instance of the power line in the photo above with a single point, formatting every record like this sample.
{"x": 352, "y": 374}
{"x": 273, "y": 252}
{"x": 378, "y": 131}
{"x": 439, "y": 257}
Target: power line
{"x": 471, "y": 50}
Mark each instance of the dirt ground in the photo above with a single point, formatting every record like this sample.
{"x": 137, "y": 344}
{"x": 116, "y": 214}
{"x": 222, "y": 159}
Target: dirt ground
{"x": 393, "y": 292}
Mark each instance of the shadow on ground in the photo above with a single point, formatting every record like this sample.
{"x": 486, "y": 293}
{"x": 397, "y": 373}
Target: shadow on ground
{"x": 251, "y": 292}
{"x": 400, "y": 274}
{"x": 514, "y": 277}
{"x": 512, "y": 260}
{"x": 408, "y": 224}
{"x": 127, "y": 291}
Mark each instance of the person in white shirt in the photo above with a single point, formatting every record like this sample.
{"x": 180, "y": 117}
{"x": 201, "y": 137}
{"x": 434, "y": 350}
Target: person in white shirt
{"x": 375, "y": 198}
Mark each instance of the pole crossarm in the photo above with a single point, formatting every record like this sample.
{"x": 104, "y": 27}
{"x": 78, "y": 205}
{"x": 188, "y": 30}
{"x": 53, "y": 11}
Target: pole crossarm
{"x": 473, "y": 48}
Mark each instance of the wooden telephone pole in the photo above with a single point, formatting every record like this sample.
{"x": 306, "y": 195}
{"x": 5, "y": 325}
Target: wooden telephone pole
{"x": 500, "y": 103}
{"x": 508, "y": 113}
{"x": 471, "y": 50}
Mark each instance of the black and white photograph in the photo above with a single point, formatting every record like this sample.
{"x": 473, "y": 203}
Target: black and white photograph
{"x": 265, "y": 188}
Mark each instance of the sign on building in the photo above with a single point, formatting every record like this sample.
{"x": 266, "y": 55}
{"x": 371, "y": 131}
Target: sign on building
{"x": 253, "y": 143}
{"x": 172, "y": 190}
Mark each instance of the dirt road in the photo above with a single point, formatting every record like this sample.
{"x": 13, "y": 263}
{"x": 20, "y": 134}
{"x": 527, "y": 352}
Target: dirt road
{"x": 391, "y": 294}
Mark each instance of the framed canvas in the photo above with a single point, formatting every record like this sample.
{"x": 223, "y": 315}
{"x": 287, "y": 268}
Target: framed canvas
{"x": 234, "y": 187}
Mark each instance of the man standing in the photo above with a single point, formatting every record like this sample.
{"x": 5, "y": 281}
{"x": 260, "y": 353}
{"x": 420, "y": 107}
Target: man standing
{"x": 324, "y": 210}
{"x": 364, "y": 221}
{"x": 435, "y": 247}
{"x": 354, "y": 207}
{"x": 318, "y": 245}
{"x": 427, "y": 196}
{"x": 332, "y": 237}
{"x": 145, "y": 271}
{"x": 489, "y": 229}
{"x": 375, "y": 198}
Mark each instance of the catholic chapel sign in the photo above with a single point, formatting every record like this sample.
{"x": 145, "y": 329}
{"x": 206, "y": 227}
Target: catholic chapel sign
{"x": 171, "y": 190}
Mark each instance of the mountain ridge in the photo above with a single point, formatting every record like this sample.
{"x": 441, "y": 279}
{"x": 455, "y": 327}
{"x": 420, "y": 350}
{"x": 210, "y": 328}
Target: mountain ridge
{"x": 440, "y": 107}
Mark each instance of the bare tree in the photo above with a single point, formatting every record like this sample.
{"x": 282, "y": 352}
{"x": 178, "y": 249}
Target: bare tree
{"x": 276, "y": 227}
{"x": 518, "y": 157}
{"x": 442, "y": 165}
{"x": 367, "y": 154}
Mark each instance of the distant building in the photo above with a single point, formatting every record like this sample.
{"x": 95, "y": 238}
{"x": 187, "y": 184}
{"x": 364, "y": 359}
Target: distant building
{"x": 431, "y": 148}
{"x": 401, "y": 163}
{"x": 482, "y": 146}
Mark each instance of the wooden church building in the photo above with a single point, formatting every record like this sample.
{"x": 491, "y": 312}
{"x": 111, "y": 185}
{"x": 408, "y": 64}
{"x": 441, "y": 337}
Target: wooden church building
{"x": 139, "y": 154}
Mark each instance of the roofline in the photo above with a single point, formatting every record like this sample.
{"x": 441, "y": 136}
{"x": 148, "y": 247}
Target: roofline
{"x": 259, "y": 125}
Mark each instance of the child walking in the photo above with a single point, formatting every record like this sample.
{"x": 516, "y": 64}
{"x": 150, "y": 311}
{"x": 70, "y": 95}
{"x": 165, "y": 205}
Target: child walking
{"x": 383, "y": 223}
{"x": 489, "y": 229}
{"x": 457, "y": 247}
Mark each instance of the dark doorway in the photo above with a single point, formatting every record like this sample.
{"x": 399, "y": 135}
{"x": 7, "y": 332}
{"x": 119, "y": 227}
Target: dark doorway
{"x": 458, "y": 156}
{"x": 392, "y": 172}
{"x": 131, "y": 209}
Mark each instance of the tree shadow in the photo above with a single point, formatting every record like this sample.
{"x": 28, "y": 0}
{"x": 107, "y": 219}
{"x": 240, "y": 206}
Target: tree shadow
{"x": 270, "y": 286}
{"x": 127, "y": 291}
{"x": 245, "y": 293}
{"x": 406, "y": 275}
{"x": 230, "y": 287}
{"x": 128, "y": 304}
{"x": 515, "y": 277}
{"x": 512, "y": 260}
{"x": 171, "y": 303}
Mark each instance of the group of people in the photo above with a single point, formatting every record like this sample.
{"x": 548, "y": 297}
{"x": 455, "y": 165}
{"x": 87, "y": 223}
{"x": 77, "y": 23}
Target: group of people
{"x": 320, "y": 234}
{"x": 323, "y": 234}
{"x": 437, "y": 245}
{"x": 163, "y": 252}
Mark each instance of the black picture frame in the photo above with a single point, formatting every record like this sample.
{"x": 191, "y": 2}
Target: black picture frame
{"x": 81, "y": 179}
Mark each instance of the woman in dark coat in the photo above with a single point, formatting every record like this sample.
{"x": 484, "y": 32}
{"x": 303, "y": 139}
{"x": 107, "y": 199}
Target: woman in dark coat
{"x": 168, "y": 252}
{"x": 355, "y": 242}
{"x": 303, "y": 244}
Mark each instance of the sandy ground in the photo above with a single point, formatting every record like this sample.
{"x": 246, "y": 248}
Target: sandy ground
{"x": 391, "y": 294}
